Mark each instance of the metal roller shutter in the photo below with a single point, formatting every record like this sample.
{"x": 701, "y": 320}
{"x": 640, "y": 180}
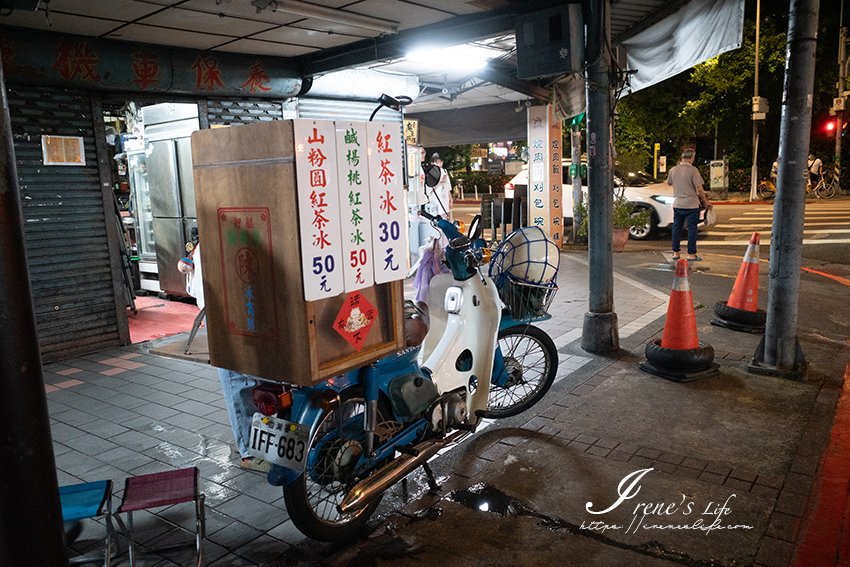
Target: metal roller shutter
{"x": 64, "y": 225}
{"x": 232, "y": 112}
{"x": 337, "y": 109}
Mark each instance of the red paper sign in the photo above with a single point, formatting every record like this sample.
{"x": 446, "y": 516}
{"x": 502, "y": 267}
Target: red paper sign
{"x": 355, "y": 319}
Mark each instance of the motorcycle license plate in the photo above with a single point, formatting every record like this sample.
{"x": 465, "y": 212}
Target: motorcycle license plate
{"x": 278, "y": 441}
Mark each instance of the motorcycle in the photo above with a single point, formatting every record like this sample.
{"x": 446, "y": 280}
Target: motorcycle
{"x": 335, "y": 447}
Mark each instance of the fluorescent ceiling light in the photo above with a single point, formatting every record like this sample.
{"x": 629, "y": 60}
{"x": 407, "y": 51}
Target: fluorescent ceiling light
{"x": 456, "y": 58}
{"x": 328, "y": 14}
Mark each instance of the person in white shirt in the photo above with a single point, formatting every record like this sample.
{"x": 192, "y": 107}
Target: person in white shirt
{"x": 815, "y": 168}
{"x": 440, "y": 196}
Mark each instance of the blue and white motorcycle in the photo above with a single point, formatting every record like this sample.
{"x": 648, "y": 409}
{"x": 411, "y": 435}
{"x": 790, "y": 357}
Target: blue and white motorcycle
{"x": 337, "y": 446}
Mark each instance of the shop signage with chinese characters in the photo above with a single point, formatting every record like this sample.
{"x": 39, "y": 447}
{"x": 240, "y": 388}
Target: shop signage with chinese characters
{"x": 355, "y": 205}
{"x": 245, "y": 239}
{"x": 351, "y": 205}
{"x": 545, "y": 176}
{"x": 411, "y": 131}
{"x": 389, "y": 212}
{"x": 30, "y": 57}
{"x": 318, "y": 208}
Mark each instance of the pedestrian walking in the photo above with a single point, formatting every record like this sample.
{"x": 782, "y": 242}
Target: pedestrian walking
{"x": 688, "y": 199}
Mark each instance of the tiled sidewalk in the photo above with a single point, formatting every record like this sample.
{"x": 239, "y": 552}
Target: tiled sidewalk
{"x": 125, "y": 412}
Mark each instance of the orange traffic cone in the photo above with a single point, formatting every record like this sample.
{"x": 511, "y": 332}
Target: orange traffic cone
{"x": 741, "y": 312}
{"x": 745, "y": 292}
{"x": 680, "y": 328}
{"x": 678, "y": 355}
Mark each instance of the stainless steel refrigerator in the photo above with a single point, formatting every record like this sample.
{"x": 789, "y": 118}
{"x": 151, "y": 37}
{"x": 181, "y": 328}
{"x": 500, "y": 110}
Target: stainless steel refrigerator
{"x": 168, "y": 156}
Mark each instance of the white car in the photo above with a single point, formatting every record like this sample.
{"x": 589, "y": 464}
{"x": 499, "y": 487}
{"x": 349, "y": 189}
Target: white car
{"x": 641, "y": 189}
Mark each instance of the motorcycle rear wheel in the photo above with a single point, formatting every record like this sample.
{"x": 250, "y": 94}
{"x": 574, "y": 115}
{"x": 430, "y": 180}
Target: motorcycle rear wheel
{"x": 334, "y": 449}
{"x": 532, "y": 362}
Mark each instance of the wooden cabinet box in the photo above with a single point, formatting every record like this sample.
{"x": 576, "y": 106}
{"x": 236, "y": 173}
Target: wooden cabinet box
{"x": 258, "y": 321}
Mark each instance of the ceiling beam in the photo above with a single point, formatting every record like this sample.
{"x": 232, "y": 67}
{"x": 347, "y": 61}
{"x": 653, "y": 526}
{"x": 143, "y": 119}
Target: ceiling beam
{"x": 453, "y": 31}
{"x": 507, "y": 78}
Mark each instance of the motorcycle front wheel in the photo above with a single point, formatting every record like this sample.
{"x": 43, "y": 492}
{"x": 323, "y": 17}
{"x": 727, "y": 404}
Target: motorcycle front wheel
{"x": 531, "y": 361}
{"x": 334, "y": 450}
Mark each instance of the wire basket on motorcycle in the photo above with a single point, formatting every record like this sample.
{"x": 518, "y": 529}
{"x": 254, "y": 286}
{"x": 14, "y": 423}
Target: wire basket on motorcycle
{"x": 525, "y": 270}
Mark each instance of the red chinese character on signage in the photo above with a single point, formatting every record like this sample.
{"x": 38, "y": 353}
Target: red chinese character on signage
{"x": 145, "y": 68}
{"x": 383, "y": 143}
{"x": 317, "y": 178}
{"x": 256, "y": 79}
{"x": 321, "y": 240}
{"x": 316, "y": 157}
{"x": 76, "y": 60}
{"x": 317, "y": 199}
{"x": 207, "y": 73}
{"x": 247, "y": 265}
{"x": 237, "y": 223}
{"x": 249, "y": 222}
{"x": 387, "y": 203}
{"x": 319, "y": 220}
{"x": 385, "y": 174}
{"x": 316, "y": 137}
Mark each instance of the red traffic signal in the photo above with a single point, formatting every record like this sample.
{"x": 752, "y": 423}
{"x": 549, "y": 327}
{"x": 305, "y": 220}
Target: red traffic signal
{"x": 830, "y": 126}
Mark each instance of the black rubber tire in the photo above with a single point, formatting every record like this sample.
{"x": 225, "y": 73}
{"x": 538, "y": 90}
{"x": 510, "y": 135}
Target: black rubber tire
{"x": 680, "y": 360}
{"x": 297, "y": 494}
{"x": 740, "y": 316}
{"x": 647, "y": 231}
{"x": 531, "y": 356}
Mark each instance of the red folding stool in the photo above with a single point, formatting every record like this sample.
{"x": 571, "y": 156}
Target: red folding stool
{"x": 163, "y": 489}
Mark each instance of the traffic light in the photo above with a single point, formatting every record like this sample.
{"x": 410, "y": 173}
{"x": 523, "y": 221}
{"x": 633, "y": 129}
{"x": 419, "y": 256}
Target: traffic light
{"x": 830, "y": 127}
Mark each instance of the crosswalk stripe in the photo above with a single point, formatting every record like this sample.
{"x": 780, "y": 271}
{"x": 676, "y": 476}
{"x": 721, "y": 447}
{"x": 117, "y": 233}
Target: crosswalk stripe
{"x": 768, "y": 217}
{"x": 763, "y": 232}
{"x": 767, "y": 224}
{"x": 747, "y": 242}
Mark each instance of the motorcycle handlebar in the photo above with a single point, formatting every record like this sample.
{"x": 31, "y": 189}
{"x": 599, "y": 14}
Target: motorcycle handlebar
{"x": 428, "y": 215}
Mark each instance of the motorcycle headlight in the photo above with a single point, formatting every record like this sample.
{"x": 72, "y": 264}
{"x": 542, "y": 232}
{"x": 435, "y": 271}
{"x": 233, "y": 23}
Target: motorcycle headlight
{"x": 666, "y": 199}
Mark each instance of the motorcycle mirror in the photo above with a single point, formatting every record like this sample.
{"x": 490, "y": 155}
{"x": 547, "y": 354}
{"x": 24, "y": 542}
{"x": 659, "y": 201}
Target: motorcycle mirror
{"x": 475, "y": 228}
{"x": 432, "y": 175}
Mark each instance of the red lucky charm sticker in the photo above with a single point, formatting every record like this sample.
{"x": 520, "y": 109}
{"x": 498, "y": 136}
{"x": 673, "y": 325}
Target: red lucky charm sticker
{"x": 355, "y": 319}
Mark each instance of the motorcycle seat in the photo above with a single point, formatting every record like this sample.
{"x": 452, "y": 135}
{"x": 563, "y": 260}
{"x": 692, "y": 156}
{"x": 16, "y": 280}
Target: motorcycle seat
{"x": 416, "y": 322}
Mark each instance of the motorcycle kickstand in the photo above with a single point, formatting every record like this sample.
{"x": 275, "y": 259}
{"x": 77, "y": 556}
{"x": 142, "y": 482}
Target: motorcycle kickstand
{"x": 433, "y": 487}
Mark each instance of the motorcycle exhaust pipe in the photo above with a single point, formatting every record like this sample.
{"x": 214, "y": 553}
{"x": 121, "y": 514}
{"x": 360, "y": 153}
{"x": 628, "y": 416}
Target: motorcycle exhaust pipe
{"x": 368, "y": 489}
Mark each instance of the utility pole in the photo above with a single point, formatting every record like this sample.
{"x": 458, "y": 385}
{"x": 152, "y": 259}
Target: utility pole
{"x": 842, "y": 74}
{"x": 754, "y": 173}
{"x": 779, "y": 353}
{"x": 31, "y": 530}
{"x": 600, "y": 333}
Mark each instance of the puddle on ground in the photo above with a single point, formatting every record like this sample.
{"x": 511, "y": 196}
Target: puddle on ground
{"x": 485, "y": 498}
{"x": 488, "y": 499}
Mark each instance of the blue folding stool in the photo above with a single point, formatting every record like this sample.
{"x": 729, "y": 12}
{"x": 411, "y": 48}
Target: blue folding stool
{"x": 90, "y": 500}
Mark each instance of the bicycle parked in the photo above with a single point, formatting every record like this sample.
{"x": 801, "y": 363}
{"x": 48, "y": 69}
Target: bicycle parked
{"x": 826, "y": 187}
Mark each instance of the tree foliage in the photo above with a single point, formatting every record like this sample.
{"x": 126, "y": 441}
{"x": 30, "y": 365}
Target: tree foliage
{"x": 715, "y": 97}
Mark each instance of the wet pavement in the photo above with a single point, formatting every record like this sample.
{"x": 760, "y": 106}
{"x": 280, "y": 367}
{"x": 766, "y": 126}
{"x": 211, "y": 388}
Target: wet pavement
{"x": 723, "y": 471}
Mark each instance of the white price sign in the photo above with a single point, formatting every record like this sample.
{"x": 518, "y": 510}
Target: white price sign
{"x": 388, "y": 207}
{"x": 355, "y": 213}
{"x": 318, "y": 208}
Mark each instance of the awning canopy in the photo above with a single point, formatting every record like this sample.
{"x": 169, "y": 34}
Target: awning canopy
{"x": 472, "y": 125}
